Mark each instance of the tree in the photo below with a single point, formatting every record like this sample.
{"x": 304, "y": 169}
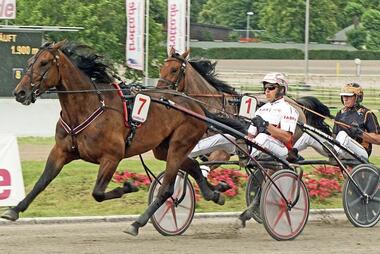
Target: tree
{"x": 104, "y": 23}
{"x": 353, "y": 12}
{"x": 285, "y": 20}
{"x": 195, "y": 8}
{"x": 231, "y": 13}
{"x": 371, "y": 23}
{"x": 357, "y": 37}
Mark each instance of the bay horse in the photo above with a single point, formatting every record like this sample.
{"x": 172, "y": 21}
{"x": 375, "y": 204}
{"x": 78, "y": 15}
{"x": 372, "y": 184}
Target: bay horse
{"x": 92, "y": 126}
{"x": 198, "y": 79}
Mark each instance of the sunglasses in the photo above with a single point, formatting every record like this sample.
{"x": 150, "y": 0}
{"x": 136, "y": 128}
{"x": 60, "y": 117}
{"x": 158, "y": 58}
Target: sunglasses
{"x": 270, "y": 88}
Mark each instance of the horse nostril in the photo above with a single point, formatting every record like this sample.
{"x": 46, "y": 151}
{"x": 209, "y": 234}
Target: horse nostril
{"x": 20, "y": 94}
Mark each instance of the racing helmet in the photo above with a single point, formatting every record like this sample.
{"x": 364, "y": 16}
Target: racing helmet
{"x": 278, "y": 78}
{"x": 352, "y": 89}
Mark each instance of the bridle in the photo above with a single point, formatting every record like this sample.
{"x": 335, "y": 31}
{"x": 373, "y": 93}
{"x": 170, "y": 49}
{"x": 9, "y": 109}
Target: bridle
{"x": 36, "y": 86}
{"x": 180, "y": 73}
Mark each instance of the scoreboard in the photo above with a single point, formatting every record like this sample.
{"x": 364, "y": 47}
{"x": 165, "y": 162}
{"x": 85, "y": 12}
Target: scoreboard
{"x": 15, "y": 50}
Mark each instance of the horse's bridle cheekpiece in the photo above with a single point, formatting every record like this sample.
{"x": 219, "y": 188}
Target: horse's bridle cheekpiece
{"x": 181, "y": 72}
{"x": 42, "y": 77}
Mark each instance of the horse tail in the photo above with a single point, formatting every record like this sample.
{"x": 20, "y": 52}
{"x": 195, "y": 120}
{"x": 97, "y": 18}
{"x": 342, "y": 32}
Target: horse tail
{"x": 235, "y": 123}
{"x": 312, "y": 103}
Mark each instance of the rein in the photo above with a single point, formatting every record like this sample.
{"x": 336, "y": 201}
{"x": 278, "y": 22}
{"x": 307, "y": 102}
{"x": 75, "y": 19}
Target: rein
{"x": 214, "y": 95}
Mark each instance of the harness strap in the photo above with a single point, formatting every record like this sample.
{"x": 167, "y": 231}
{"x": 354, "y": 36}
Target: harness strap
{"x": 76, "y": 130}
{"x": 125, "y": 110}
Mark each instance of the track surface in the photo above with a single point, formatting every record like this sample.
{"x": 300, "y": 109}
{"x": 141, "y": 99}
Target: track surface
{"x": 204, "y": 236}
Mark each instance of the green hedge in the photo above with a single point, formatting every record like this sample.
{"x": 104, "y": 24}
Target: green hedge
{"x": 247, "y": 53}
{"x": 265, "y": 53}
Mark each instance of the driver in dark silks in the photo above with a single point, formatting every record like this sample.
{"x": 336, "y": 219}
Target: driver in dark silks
{"x": 272, "y": 128}
{"x": 364, "y": 130}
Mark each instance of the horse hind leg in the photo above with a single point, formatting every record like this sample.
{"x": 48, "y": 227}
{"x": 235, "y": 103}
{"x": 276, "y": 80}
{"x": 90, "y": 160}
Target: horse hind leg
{"x": 107, "y": 169}
{"x": 208, "y": 191}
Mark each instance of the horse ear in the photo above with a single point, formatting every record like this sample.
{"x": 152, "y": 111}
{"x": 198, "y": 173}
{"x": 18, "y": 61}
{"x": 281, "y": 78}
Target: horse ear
{"x": 171, "y": 51}
{"x": 59, "y": 44}
{"x": 186, "y": 54}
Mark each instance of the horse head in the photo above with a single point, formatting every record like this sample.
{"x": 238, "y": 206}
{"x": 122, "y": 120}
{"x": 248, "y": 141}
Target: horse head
{"x": 42, "y": 74}
{"x": 173, "y": 71}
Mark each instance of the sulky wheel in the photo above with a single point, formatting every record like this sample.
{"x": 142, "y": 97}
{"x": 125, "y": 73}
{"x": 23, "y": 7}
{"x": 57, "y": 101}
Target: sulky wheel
{"x": 362, "y": 210}
{"x": 171, "y": 218}
{"x": 281, "y": 222}
{"x": 252, "y": 189}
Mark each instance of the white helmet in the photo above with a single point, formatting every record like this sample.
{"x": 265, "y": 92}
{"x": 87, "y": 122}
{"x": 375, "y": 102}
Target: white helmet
{"x": 276, "y": 78}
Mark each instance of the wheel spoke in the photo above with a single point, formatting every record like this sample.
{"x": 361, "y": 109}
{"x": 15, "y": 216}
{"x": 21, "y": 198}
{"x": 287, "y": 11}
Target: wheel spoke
{"x": 183, "y": 206}
{"x": 366, "y": 213}
{"x": 169, "y": 205}
{"x": 278, "y": 218}
{"x": 368, "y": 184}
{"x": 354, "y": 202}
{"x": 174, "y": 217}
{"x": 288, "y": 219}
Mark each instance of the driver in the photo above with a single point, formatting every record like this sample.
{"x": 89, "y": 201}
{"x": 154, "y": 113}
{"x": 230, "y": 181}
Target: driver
{"x": 364, "y": 130}
{"x": 272, "y": 128}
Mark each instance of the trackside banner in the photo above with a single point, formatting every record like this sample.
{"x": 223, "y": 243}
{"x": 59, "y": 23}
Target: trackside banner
{"x": 177, "y": 25}
{"x": 7, "y": 9}
{"x": 11, "y": 182}
{"x": 135, "y": 34}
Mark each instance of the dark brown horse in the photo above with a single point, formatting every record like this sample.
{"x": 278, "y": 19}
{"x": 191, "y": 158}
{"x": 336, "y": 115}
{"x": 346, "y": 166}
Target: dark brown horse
{"x": 198, "y": 79}
{"x": 92, "y": 126}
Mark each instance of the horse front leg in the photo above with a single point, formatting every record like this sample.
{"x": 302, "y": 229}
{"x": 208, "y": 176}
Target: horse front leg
{"x": 55, "y": 162}
{"x": 166, "y": 191}
{"x": 107, "y": 169}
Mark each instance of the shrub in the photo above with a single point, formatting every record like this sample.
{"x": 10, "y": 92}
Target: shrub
{"x": 324, "y": 182}
{"x": 138, "y": 180}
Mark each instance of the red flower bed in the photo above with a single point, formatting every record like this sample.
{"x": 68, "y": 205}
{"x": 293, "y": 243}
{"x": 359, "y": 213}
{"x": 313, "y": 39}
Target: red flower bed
{"x": 323, "y": 182}
{"x": 138, "y": 180}
{"x": 232, "y": 177}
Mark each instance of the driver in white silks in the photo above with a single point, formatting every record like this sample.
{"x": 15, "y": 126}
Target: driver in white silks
{"x": 272, "y": 127}
{"x": 361, "y": 120}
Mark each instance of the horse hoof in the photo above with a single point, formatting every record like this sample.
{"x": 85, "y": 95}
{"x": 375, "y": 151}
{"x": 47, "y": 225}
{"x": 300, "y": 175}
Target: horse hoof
{"x": 10, "y": 214}
{"x": 132, "y": 230}
{"x": 130, "y": 187}
{"x": 221, "y": 199}
{"x": 222, "y": 187}
{"x": 239, "y": 223}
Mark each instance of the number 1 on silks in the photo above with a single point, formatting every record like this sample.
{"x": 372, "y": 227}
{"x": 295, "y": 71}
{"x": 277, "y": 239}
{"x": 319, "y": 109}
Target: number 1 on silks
{"x": 141, "y": 108}
{"x": 248, "y": 106}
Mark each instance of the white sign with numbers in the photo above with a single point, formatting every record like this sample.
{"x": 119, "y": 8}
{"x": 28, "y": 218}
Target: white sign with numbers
{"x": 248, "y": 106}
{"x": 11, "y": 182}
{"x": 141, "y": 108}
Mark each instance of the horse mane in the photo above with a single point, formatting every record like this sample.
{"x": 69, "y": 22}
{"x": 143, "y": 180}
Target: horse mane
{"x": 312, "y": 119}
{"x": 207, "y": 70}
{"x": 91, "y": 63}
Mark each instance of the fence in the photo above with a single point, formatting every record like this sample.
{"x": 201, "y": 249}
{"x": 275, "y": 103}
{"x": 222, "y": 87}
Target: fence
{"x": 324, "y": 87}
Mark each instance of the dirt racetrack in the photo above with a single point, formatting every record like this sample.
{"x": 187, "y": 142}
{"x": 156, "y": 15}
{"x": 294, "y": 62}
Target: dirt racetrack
{"x": 204, "y": 236}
